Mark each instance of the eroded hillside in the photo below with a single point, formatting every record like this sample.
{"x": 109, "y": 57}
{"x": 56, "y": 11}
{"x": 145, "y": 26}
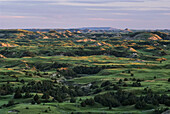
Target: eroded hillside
{"x": 84, "y": 72}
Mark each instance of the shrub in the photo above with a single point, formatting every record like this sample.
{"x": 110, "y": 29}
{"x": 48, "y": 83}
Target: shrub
{"x": 17, "y": 94}
{"x": 140, "y": 104}
{"x": 72, "y": 100}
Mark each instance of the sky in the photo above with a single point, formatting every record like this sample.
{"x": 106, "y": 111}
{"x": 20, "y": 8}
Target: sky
{"x": 133, "y": 14}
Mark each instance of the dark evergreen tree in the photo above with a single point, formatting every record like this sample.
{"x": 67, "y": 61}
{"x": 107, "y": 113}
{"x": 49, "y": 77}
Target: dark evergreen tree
{"x": 106, "y": 83}
{"x": 125, "y": 79}
{"x": 83, "y": 104}
{"x": 36, "y": 98}
{"x": 27, "y": 95}
{"x": 169, "y": 80}
{"x": 10, "y": 103}
{"x": 17, "y": 94}
{"x": 140, "y": 104}
{"x": 45, "y": 96}
{"x": 72, "y": 100}
{"x": 22, "y": 81}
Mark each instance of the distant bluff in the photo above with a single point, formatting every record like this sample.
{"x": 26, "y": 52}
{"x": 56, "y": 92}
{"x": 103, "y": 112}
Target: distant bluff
{"x": 147, "y": 36}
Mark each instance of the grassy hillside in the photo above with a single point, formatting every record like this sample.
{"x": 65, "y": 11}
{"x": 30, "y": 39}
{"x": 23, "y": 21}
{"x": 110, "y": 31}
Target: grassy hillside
{"x": 73, "y": 72}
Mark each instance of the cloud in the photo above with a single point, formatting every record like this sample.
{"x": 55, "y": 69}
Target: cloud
{"x": 22, "y": 17}
{"x": 115, "y": 3}
{"x": 120, "y": 13}
{"x": 108, "y": 19}
{"x": 16, "y": 17}
{"x": 166, "y": 14}
{"x": 100, "y": 4}
{"x": 98, "y": 9}
{"x": 130, "y": 13}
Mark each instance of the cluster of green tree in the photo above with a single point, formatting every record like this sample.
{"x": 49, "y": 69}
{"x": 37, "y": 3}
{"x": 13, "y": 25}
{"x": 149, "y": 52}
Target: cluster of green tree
{"x": 68, "y": 73}
{"x": 160, "y": 111}
{"x": 136, "y": 84}
{"x": 123, "y": 98}
{"x": 59, "y": 93}
{"x": 40, "y": 86}
{"x": 88, "y": 53}
{"x": 18, "y": 94}
{"x": 101, "y": 52}
{"x": 102, "y": 34}
{"x": 36, "y": 98}
{"x": 14, "y": 53}
{"x": 6, "y": 89}
{"x": 107, "y": 85}
{"x": 110, "y": 86}
{"x": 87, "y": 70}
{"x": 89, "y": 102}
{"x": 10, "y": 103}
{"x": 48, "y": 66}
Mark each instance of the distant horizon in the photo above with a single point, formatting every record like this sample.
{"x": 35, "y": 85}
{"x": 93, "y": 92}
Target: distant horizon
{"x": 89, "y": 27}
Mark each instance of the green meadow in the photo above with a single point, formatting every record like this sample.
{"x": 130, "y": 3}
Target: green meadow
{"x": 70, "y": 75}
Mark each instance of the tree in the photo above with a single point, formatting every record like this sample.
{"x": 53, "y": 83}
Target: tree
{"x": 106, "y": 83}
{"x": 10, "y": 103}
{"x": 120, "y": 81}
{"x": 128, "y": 71}
{"x": 72, "y": 100}
{"x": 45, "y": 96}
{"x": 169, "y": 80}
{"x": 110, "y": 107}
{"x": 160, "y": 111}
{"x": 58, "y": 98}
{"x": 136, "y": 84}
{"x": 17, "y": 80}
{"x": 22, "y": 81}
{"x": 167, "y": 102}
{"x": 140, "y": 104}
{"x": 155, "y": 102}
{"x": 98, "y": 90}
{"x": 89, "y": 102}
{"x": 32, "y": 102}
{"x": 116, "y": 87}
{"x": 27, "y": 95}
{"x": 83, "y": 104}
{"x": 38, "y": 102}
{"x": 17, "y": 94}
{"x": 125, "y": 79}
{"x": 36, "y": 98}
